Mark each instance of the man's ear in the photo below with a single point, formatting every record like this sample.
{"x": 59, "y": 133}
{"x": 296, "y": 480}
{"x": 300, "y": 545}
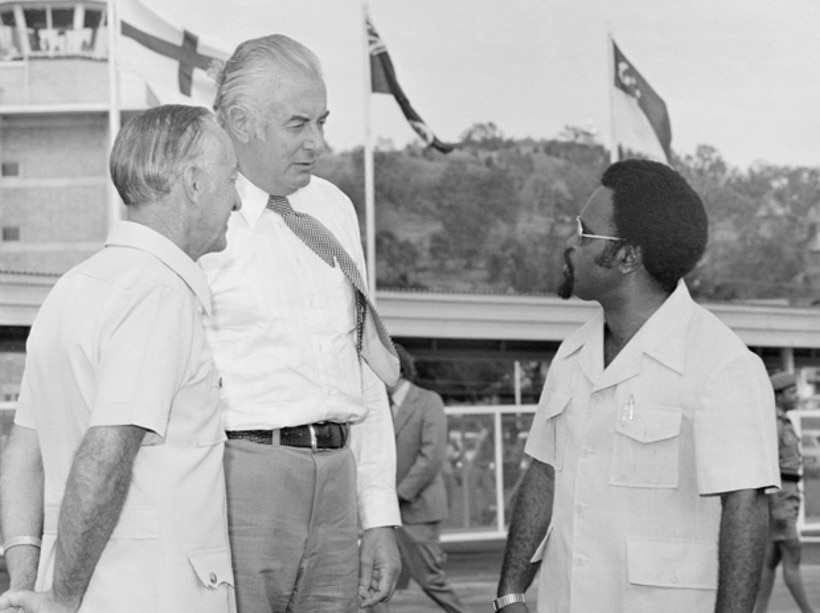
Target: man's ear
{"x": 630, "y": 258}
{"x": 240, "y": 125}
{"x": 192, "y": 178}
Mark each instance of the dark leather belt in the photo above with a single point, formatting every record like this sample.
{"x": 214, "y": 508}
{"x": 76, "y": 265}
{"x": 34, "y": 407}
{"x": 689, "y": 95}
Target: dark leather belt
{"x": 790, "y": 477}
{"x": 321, "y": 435}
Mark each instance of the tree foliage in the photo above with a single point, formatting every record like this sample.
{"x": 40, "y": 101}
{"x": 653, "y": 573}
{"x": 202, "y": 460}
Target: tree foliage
{"x": 494, "y": 215}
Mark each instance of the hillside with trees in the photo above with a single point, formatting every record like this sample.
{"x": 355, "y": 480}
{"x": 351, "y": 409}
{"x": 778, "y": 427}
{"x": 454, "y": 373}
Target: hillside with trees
{"x": 494, "y": 215}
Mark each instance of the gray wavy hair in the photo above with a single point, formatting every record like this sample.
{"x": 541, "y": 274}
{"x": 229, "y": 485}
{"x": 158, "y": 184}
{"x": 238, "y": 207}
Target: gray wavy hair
{"x": 237, "y": 80}
{"x": 153, "y": 147}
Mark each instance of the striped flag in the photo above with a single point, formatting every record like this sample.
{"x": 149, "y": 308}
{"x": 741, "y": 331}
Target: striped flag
{"x": 383, "y": 81}
{"x": 639, "y": 116}
{"x": 172, "y": 61}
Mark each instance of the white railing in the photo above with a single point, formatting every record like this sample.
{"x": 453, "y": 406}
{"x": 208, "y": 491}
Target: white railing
{"x": 465, "y": 523}
{"x": 486, "y": 459}
{"x": 476, "y": 513}
{"x": 807, "y": 424}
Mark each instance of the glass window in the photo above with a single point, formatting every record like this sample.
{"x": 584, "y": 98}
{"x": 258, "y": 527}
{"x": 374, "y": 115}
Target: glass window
{"x": 469, "y": 473}
{"x": 515, "y": 428}
{"x": 810, "y": 446}
{"x": 9, "y": 38}
{"x": 36, "y": 20}
{"x": 9, "y": 169}
{"x": 92, "y": 18}
{"x": 62, "y": 18}
{"x": 11, "y": 233}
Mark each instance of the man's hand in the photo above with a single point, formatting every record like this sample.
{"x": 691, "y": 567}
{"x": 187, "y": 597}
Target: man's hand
{"x": 379, "y": 566}
{"x": 35, "y": 602}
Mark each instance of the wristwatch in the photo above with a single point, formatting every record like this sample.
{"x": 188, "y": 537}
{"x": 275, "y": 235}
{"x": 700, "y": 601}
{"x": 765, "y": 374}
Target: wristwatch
{"x": 508, "y": 599}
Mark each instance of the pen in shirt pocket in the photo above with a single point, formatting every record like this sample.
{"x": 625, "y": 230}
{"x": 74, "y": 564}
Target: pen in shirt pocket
{"x": 628, "y": 411}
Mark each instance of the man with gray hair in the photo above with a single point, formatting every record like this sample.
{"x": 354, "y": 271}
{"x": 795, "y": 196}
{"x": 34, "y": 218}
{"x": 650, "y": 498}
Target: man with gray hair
{"x": 113, "y": 490}
{"x": 303, "y": 354}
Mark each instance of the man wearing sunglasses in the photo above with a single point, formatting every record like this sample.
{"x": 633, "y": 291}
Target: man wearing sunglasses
{"x": 654, "y": 443}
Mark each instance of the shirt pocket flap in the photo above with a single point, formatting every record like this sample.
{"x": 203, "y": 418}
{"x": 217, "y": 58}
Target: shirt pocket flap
{"x": 212, "y": 566}
{"x": 556, "y": 404}
{"x": 650, "y": 425}
{"x": 673, "y": 563}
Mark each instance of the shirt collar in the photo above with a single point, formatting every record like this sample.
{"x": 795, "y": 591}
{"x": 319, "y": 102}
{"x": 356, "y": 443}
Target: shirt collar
{"x": 254, "y": 200}
{"x": 401, "y": 393}
{"x": 662, "y": 336}
{"x": 139, "y": 236}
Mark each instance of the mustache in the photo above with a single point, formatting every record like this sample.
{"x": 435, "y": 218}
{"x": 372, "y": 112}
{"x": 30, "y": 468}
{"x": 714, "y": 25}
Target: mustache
{"x": 567, "y": 261}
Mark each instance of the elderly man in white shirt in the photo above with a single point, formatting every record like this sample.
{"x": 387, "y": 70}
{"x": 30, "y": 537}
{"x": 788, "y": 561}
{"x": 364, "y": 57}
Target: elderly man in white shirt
{"x": 112, "y": 485}
{"x": 310, "y": 457}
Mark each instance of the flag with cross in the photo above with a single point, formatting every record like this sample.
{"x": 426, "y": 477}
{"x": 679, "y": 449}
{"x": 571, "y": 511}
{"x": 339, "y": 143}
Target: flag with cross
{"x": 172, "y": 61}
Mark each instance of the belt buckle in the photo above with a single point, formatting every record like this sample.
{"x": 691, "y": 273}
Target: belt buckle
{"x": 312, "y": 430}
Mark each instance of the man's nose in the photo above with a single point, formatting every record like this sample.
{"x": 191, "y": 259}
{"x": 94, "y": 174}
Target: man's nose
{"x": 315, "y": 139}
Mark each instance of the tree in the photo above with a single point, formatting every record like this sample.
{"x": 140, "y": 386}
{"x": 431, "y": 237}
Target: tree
{"x": 471, "y": 200}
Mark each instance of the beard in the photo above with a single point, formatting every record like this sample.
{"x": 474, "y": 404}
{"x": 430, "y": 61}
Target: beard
{"x": 568, "y": 284}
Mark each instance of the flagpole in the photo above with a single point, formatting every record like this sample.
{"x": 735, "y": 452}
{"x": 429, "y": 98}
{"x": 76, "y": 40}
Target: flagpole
{"x": 613, "y": 148}
{"x": 114, "y": 207}
{"x": 369, "y": 190}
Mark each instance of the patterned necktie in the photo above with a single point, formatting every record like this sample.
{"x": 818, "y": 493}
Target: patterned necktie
{"x": 321, "y": 241}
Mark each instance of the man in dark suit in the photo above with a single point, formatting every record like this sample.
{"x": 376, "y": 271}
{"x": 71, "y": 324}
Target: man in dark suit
{"x": 421, "y": 441}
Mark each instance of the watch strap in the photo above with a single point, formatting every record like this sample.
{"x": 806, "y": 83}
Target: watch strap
{"x": 508, "y": 599}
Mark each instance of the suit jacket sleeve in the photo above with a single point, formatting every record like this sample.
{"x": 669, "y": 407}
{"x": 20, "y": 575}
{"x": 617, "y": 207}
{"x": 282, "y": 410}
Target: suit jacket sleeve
{"x": 432, "y": 447}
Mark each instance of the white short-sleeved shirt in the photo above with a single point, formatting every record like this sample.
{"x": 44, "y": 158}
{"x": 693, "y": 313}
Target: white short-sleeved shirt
{"x": 640, "y": 450}
{"x": 283, "y": 333}
{"x": 120, "y": 341}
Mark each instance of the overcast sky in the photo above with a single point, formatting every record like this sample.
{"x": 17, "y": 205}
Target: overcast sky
{"x": 741, "y": 75}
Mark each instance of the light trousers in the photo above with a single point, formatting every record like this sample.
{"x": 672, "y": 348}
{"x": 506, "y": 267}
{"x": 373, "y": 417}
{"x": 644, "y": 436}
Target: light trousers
{"x": 292, "y": 521}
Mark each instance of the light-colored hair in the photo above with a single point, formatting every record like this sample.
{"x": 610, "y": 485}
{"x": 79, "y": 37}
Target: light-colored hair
{"x": 152, "y": 148}
{"x": 252, "y": 63}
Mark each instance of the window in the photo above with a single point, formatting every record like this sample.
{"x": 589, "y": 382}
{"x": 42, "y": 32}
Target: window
{"x": 92, "y": 18}
{"x": 9, "y": 37}
{"x": 11, "y": 233}
{"x": 62, "y": 19}
{"x": 10, "y": 169}
{"x": 51, "y": 30}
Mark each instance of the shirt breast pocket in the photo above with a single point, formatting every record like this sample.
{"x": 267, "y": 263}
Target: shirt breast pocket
{"x": 646, "y": 450}
{"x": 553, "y": 410}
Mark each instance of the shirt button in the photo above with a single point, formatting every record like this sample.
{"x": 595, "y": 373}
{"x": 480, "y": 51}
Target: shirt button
{"x": 212, "y": 578}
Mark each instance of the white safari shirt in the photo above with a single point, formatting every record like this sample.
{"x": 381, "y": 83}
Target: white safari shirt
{"x": 640, "y": 449}
{"x": 119, "y": 341}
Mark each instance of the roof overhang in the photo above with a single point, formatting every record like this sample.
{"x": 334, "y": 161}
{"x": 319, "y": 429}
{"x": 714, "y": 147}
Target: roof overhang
{"x": 485, "y": 317}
